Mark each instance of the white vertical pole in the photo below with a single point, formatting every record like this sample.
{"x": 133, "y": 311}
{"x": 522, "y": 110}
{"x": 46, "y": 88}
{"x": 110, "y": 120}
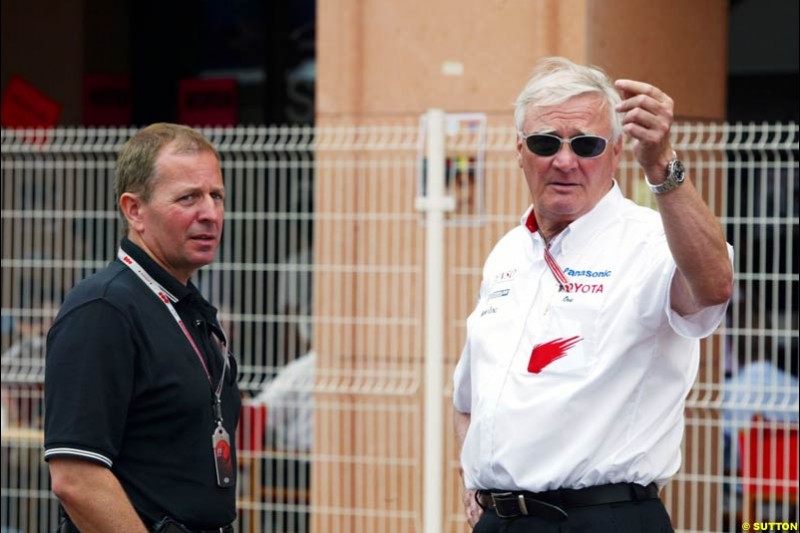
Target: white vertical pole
{"x": 435, "y": 204}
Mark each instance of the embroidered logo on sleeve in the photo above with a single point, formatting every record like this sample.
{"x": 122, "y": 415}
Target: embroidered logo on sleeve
{"x": 544, "y": 354}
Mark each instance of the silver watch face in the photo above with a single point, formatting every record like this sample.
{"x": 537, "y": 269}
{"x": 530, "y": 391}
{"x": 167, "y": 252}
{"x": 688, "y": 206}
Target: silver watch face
{"x": 676, "y": 171}
{"x": 675, "y": 177}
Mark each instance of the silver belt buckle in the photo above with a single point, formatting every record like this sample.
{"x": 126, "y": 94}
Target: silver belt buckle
{"x": 496, "y": 495}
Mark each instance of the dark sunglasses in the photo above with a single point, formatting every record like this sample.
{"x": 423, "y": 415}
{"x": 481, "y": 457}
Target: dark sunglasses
{"x": 546, "y": 145}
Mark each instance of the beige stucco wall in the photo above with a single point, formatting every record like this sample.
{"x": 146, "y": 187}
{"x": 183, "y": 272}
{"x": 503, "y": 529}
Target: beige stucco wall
{"x": 378, "y": 57}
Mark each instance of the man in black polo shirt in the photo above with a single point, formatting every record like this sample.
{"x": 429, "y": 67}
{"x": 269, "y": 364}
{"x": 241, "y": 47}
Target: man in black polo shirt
{"x": 140, "y": 388}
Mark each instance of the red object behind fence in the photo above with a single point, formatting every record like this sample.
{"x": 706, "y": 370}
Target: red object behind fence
{"x": 250, "y": 432}
{"x": 769, "y": 463}
{"x": 25, "y": 106}
{"x": 207, "y": 102}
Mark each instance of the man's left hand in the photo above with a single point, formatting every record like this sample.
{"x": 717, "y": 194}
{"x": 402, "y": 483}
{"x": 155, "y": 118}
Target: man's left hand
{"x": 648, "y": 119}
{"x": 472, "y": 510}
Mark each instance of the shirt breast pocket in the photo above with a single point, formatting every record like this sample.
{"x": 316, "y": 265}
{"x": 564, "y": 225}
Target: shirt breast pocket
{"x": 567, "y": 345}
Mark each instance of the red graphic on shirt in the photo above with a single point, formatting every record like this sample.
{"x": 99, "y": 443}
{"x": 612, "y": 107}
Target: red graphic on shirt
{"x": 544, "y": 354}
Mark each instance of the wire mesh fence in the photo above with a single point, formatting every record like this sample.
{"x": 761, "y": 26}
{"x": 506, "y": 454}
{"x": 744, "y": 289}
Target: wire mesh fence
{"x": 320, "y": 284}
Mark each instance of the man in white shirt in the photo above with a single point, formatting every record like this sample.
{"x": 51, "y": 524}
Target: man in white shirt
{"x": 290, "y": 405}
{"x": 569, "y": 393}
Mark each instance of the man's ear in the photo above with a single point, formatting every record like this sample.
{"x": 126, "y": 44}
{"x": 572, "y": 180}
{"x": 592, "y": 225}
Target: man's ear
{"x": 616, "y": 150}
{"x": 131, "y": 206}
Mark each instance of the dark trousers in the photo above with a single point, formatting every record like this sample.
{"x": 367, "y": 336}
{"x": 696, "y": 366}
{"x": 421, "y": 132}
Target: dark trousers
{"x": 648, "y": 516}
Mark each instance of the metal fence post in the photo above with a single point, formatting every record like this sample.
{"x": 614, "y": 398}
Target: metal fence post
{"x": 434, "y": 203}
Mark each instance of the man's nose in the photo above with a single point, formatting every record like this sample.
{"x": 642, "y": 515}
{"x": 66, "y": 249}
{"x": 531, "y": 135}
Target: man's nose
{"x": 565, "y": 158}
{"x": 210, "y": 209}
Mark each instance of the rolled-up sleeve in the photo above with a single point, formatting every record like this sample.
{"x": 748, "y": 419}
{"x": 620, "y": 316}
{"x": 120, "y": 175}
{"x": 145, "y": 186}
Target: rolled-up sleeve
{"x": 702, "y": 323}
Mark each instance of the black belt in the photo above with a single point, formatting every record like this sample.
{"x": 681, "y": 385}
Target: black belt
{"x": 223, "y": 529}
{"x": 168, "y": 525}
{"x": 67, "y": 526}
{"x": 553, "y": 504}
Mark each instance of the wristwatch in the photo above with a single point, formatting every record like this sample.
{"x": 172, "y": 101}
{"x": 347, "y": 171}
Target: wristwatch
{"x": 676, "y": 175}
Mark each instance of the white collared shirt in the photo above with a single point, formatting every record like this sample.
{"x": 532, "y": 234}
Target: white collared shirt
{"x": 609, "y": 407}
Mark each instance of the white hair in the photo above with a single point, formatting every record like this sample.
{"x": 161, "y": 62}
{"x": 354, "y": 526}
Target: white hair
{"x": 556, "y": 80}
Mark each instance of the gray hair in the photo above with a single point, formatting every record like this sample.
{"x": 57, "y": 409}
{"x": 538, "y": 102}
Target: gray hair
{"x": 556, "y": 80}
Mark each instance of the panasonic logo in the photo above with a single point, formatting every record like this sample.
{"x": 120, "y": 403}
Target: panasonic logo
{"x": 587, "y": 273}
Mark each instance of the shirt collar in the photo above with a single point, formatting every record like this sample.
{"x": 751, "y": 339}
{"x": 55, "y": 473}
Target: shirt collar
{"x": 187, "y": 296}
{"x": 581, "y": 231}
{"x": 161, "y": 276}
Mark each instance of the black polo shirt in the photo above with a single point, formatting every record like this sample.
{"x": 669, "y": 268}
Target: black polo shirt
{"x": 124, "y": 388}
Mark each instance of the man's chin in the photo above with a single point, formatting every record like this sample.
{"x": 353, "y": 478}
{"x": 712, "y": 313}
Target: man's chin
{"x": 203, "y": 257}
{"x": 564, "y": 207}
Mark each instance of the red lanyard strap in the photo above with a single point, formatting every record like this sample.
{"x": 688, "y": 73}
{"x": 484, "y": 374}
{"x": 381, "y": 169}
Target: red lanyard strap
{"x": 561, "y": 278}
{"x": 167, "y": 299}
